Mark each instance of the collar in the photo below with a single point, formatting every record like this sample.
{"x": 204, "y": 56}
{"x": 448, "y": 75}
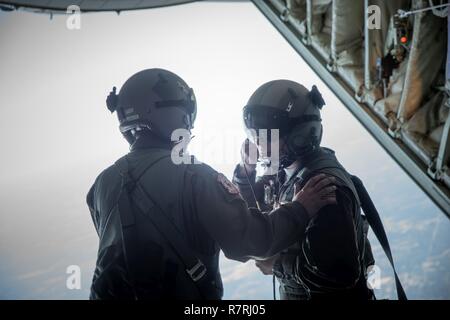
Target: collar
{"x": 149, "y": 141}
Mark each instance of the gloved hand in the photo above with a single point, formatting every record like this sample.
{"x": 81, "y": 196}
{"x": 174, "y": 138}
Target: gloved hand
{"x": 266, "y": 266}
{"x": 318, "y": 192}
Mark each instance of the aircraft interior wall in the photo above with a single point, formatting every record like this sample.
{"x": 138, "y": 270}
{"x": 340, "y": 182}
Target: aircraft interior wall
{"x": 398, "y": 70}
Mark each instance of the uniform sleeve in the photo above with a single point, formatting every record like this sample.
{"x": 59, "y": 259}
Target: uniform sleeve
{"x": 330, "y": 255}
{"x": 90, "y": 204}
{"x": 90, "y": 201}
{"x": 243, "y": 233}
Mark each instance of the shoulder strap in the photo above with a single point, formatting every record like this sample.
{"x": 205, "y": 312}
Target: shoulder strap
{"x": 130, "y": 241}
{"x": 376, "y": 224}
{"x": 327, "y": 165}
{"x": 132, "y": 190}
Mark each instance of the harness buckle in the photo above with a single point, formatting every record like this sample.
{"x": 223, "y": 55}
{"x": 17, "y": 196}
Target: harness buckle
{"x": 197, "y": 272}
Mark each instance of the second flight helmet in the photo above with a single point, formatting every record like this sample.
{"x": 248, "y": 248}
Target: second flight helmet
{"x": 156, "y": 100}
{"x": 293, "y": 110}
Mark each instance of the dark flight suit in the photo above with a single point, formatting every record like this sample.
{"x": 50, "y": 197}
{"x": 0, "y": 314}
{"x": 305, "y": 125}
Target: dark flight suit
{"x": 331, "y": 256}
{"x": 209, "y": 212}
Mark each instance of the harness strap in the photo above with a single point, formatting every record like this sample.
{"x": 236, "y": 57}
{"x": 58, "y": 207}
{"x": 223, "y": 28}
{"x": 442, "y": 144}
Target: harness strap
{"x": 132, "y": 191}
{"x": 376, "y": 224}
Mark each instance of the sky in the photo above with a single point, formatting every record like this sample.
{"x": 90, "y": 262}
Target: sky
{"x": 56, "y": 136}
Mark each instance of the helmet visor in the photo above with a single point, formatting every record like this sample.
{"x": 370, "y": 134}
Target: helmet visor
{"x": 263, "y": 117}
